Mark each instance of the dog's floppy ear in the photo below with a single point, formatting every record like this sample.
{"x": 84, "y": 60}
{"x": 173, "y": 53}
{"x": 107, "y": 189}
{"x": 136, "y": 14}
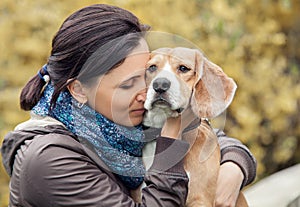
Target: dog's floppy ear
{"x": 213, "y": 90}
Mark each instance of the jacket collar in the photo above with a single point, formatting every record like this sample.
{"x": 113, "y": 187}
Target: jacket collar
{"x": 40, "y": 121}
{"x": 41, "y": 126}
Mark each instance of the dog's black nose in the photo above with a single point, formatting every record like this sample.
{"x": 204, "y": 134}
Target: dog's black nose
{"x": 161, "y": 85}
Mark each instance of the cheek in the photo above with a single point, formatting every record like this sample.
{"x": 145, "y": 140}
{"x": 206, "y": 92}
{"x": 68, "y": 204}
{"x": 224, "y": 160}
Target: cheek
{"x": 106, "y": 101}
{"x": 120, "y": 101}
{"x": 113, "y": 105}
{"x": 186, "y": 86}
{"x": 103, "y": 103}
{"x": 186, "y": 90}
{"x": 121, "y": 104}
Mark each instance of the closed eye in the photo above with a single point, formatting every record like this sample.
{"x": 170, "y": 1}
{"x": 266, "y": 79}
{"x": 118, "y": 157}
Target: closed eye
{"x": 183, "y": 69}
{"x": 129, "y": 83}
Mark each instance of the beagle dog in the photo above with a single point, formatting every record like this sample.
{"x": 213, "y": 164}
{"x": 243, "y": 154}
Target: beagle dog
{"x": 178, "y": 78}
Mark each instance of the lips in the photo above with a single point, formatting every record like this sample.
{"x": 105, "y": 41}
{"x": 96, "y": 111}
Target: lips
{"x": 138, "y": 111}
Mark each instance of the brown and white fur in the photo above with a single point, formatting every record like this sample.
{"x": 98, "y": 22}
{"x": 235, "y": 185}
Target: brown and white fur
{"x": 178, "y": 78}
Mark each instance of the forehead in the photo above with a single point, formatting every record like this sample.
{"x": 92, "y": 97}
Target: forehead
{"x": 134, "y": 63}
{"x": 132, "y": 66}
{"x": 174, "y": 56}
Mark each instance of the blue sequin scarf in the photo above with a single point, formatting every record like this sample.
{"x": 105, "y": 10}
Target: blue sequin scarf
{"x": 119, "y": 147}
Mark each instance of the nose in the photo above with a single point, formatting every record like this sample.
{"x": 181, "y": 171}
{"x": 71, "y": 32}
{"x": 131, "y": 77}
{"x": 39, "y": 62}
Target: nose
{"x": 141, "y": 96}
{"x": 161, "y": 85}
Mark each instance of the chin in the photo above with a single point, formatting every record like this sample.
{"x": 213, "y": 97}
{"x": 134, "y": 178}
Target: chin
{"x": 135, "y": 121}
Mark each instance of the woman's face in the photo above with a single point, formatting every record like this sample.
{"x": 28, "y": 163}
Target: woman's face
{"x": 120, "y": 94}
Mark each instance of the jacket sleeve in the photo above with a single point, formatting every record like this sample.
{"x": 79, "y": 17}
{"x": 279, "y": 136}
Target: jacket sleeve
{"x": 61, "y": 175}
{"x": 167, "y": 182}
{"x": 233, "y": 150}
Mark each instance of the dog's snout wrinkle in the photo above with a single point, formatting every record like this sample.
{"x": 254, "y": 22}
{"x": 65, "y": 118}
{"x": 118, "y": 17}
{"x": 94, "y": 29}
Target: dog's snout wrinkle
{"x": 161, "y": 85}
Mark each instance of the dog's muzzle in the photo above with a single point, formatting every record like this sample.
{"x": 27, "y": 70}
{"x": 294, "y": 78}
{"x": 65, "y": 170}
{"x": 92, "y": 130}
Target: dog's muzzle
{"x": 161, "y": 86}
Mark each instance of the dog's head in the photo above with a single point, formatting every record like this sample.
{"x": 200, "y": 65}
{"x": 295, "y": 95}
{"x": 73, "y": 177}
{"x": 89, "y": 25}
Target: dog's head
{"x": 178, "y": 78}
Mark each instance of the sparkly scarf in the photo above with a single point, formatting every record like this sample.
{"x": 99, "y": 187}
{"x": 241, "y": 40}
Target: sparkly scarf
{"x": 118, "y": 146}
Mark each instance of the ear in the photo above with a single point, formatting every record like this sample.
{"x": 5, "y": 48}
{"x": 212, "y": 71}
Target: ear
{"x": 76, "y": 89}
{"x": 213, "y": 91}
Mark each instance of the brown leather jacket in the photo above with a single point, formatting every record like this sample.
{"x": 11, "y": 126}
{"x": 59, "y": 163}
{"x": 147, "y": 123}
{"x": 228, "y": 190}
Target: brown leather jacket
{"x": 50, "y": 167}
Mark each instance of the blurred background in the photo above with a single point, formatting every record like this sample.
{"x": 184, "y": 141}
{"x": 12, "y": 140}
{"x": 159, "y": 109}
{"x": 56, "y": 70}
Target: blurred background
{"x": 255, "y": 41}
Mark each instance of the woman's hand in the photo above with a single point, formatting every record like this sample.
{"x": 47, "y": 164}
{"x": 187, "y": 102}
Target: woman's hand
{"x": 228, "y": 187}
{"x": 174, "y": 126}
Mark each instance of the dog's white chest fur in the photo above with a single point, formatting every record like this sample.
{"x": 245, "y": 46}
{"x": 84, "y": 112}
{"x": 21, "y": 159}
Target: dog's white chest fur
{"x": 157, "y": 116}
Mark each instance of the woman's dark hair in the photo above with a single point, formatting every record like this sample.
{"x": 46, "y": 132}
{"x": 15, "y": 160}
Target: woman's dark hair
{"x": 89, "y": 43}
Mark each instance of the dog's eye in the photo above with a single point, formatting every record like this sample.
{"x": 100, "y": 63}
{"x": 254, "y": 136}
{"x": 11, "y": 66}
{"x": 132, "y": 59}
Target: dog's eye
{"x": 183, "y": 69}
{"x": 152, "y": 68}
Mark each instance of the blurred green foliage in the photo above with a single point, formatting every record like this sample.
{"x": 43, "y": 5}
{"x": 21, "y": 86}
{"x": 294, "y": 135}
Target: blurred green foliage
{"x": 255, "y": 41}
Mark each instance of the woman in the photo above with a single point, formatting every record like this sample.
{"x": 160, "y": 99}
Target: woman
{"x": 83, "y": 143}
